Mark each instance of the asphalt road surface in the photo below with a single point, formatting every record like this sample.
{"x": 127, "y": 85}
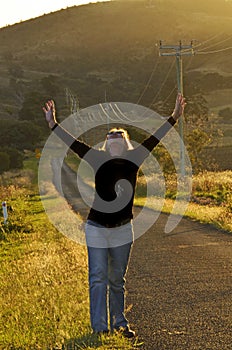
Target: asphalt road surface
{"x": 179, "y": 288}
{"x": 179, "y": 285}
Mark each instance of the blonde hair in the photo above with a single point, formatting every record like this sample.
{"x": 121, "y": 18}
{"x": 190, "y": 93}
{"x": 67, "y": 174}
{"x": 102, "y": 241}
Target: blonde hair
{"x": 125, "y": 135}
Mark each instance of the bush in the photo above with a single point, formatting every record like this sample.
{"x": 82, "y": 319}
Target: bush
{"x": 225, "y": 114}
{"x": 16, "y": 157}
{"x": 19, "y": 135}
{"x": 4, "y": 162}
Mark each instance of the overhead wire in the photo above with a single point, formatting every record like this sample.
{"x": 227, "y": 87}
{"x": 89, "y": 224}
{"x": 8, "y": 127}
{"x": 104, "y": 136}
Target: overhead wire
{"x": 190, "y": 61}
{"x": 214, "y": 51}
{"x": 115, "y": 113}
{"x": 216, "y": 44}
{"x": 148, "y": 82}
{"x": 118, "y": 109}
{"x": 170, "y": 94}
{"x": 101, "y": 116}
{"x": 129, "y": 119}
{"x": 106, "y": 114}
{"x": 122, "y": 117}
{"x": 162, "y": 85}
{"x": 207, "y": 40}
{"x": 175, "y": 86}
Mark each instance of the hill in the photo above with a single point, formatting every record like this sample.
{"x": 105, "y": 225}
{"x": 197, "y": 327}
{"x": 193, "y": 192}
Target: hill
{"x": 108, "y": 51}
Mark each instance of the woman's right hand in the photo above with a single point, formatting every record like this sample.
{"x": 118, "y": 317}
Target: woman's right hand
{"x": 179, "y": 107}
{"x": 50, "y": 113}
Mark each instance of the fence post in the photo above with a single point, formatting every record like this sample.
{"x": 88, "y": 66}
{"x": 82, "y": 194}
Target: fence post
{"x": 4, "y": 210}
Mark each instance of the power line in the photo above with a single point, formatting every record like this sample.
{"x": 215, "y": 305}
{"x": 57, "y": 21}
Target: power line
{"x": 170, "y": 94}
{"x": 175, "y": 86}
{"x": 207, "y": 40}
{"x": 72, "y": 101}
{"x": 189, "y": 63}
{"x": 163, "y": 83}
{"x": 216, "y": 44}
{"x": 115, "y": 113}
{"x": 148, "y": 82}
{"x": 215, "y": 51}
{"x": 127, "y": 118}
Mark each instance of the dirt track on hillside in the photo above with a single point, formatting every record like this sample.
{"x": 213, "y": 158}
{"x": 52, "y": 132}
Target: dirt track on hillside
{"x": 179, "y": 285}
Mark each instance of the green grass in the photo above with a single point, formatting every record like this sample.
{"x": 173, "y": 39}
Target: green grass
{"x": 211, "y": 198}
{"x": 44, "y": 284}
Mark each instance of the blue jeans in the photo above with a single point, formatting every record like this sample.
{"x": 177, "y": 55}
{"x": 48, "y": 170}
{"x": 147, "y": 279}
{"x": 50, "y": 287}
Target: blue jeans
{"x": 107, "y": 270}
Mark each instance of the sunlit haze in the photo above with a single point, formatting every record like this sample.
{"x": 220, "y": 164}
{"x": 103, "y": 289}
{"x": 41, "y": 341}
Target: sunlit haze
{"x": 14, "y": 11}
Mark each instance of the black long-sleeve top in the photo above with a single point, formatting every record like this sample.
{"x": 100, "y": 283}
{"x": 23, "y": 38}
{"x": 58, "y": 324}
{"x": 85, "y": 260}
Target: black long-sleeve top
{"x": 115, "y": 177}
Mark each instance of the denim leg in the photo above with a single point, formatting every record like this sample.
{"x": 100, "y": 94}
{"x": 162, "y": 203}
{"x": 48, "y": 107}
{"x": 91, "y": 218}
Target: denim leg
{"x": 118, "y": 262}
{"x": 98, "y": 281}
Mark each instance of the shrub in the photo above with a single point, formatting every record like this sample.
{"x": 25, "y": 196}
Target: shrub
{"x": 15, "y": 157}
{"x": 4, "y": 162}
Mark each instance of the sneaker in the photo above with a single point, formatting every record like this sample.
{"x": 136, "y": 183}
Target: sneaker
{"x": 126, "y": 332}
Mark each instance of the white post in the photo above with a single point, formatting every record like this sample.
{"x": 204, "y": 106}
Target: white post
{"x": 5, "y": 214}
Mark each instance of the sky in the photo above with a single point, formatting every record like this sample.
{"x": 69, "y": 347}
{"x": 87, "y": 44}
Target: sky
{"x": 14, "y": 11}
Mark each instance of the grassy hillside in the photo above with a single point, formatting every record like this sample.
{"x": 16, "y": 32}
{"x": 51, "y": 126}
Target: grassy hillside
{"x": 107, "y": 51}
{"x": 107, "y": 44}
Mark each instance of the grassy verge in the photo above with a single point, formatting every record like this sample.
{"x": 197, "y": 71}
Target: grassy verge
{"x": 210, "y": 202}
{"x": 43, "y": 277}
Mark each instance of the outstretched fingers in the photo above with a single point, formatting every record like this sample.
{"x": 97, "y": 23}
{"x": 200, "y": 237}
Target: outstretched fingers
{"x": 179, "y": 106}
{"x": 49, "y": 105}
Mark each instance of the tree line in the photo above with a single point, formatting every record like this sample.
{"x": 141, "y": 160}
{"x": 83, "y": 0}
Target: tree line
{"x": 29, "y": 130}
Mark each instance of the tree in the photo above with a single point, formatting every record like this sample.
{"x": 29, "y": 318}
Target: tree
{"x": 19, "y": 134}
{"x": 31, "y": 108}
{"x": 225, "y": 114}
{"x": 50, "y": 85}
{"x": 4, "y": 162}
{"x": 26, "y": 135}
{"x": 15, "y": 157}
{"x": 197, "y": 109}
{"x": 199, "y": 132}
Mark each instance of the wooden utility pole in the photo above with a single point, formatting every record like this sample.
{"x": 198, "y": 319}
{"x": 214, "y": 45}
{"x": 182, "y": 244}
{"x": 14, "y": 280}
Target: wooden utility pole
{"x": 178, "y": 51}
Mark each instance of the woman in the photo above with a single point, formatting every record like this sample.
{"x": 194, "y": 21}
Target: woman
{"x": 109, "y": 229}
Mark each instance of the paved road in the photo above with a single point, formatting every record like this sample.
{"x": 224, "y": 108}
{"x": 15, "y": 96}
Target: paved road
{"x": 180, "y": 288}
{"x": 179, "y": 285}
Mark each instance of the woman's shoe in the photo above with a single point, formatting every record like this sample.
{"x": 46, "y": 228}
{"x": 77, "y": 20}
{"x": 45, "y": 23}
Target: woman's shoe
{"x": 126, "y": 332}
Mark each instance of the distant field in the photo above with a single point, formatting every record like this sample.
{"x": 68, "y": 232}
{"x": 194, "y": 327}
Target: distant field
{"x": 222, "y": 156}
{"x": 222, "y": 150}
{"x": 219, "y": 99}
